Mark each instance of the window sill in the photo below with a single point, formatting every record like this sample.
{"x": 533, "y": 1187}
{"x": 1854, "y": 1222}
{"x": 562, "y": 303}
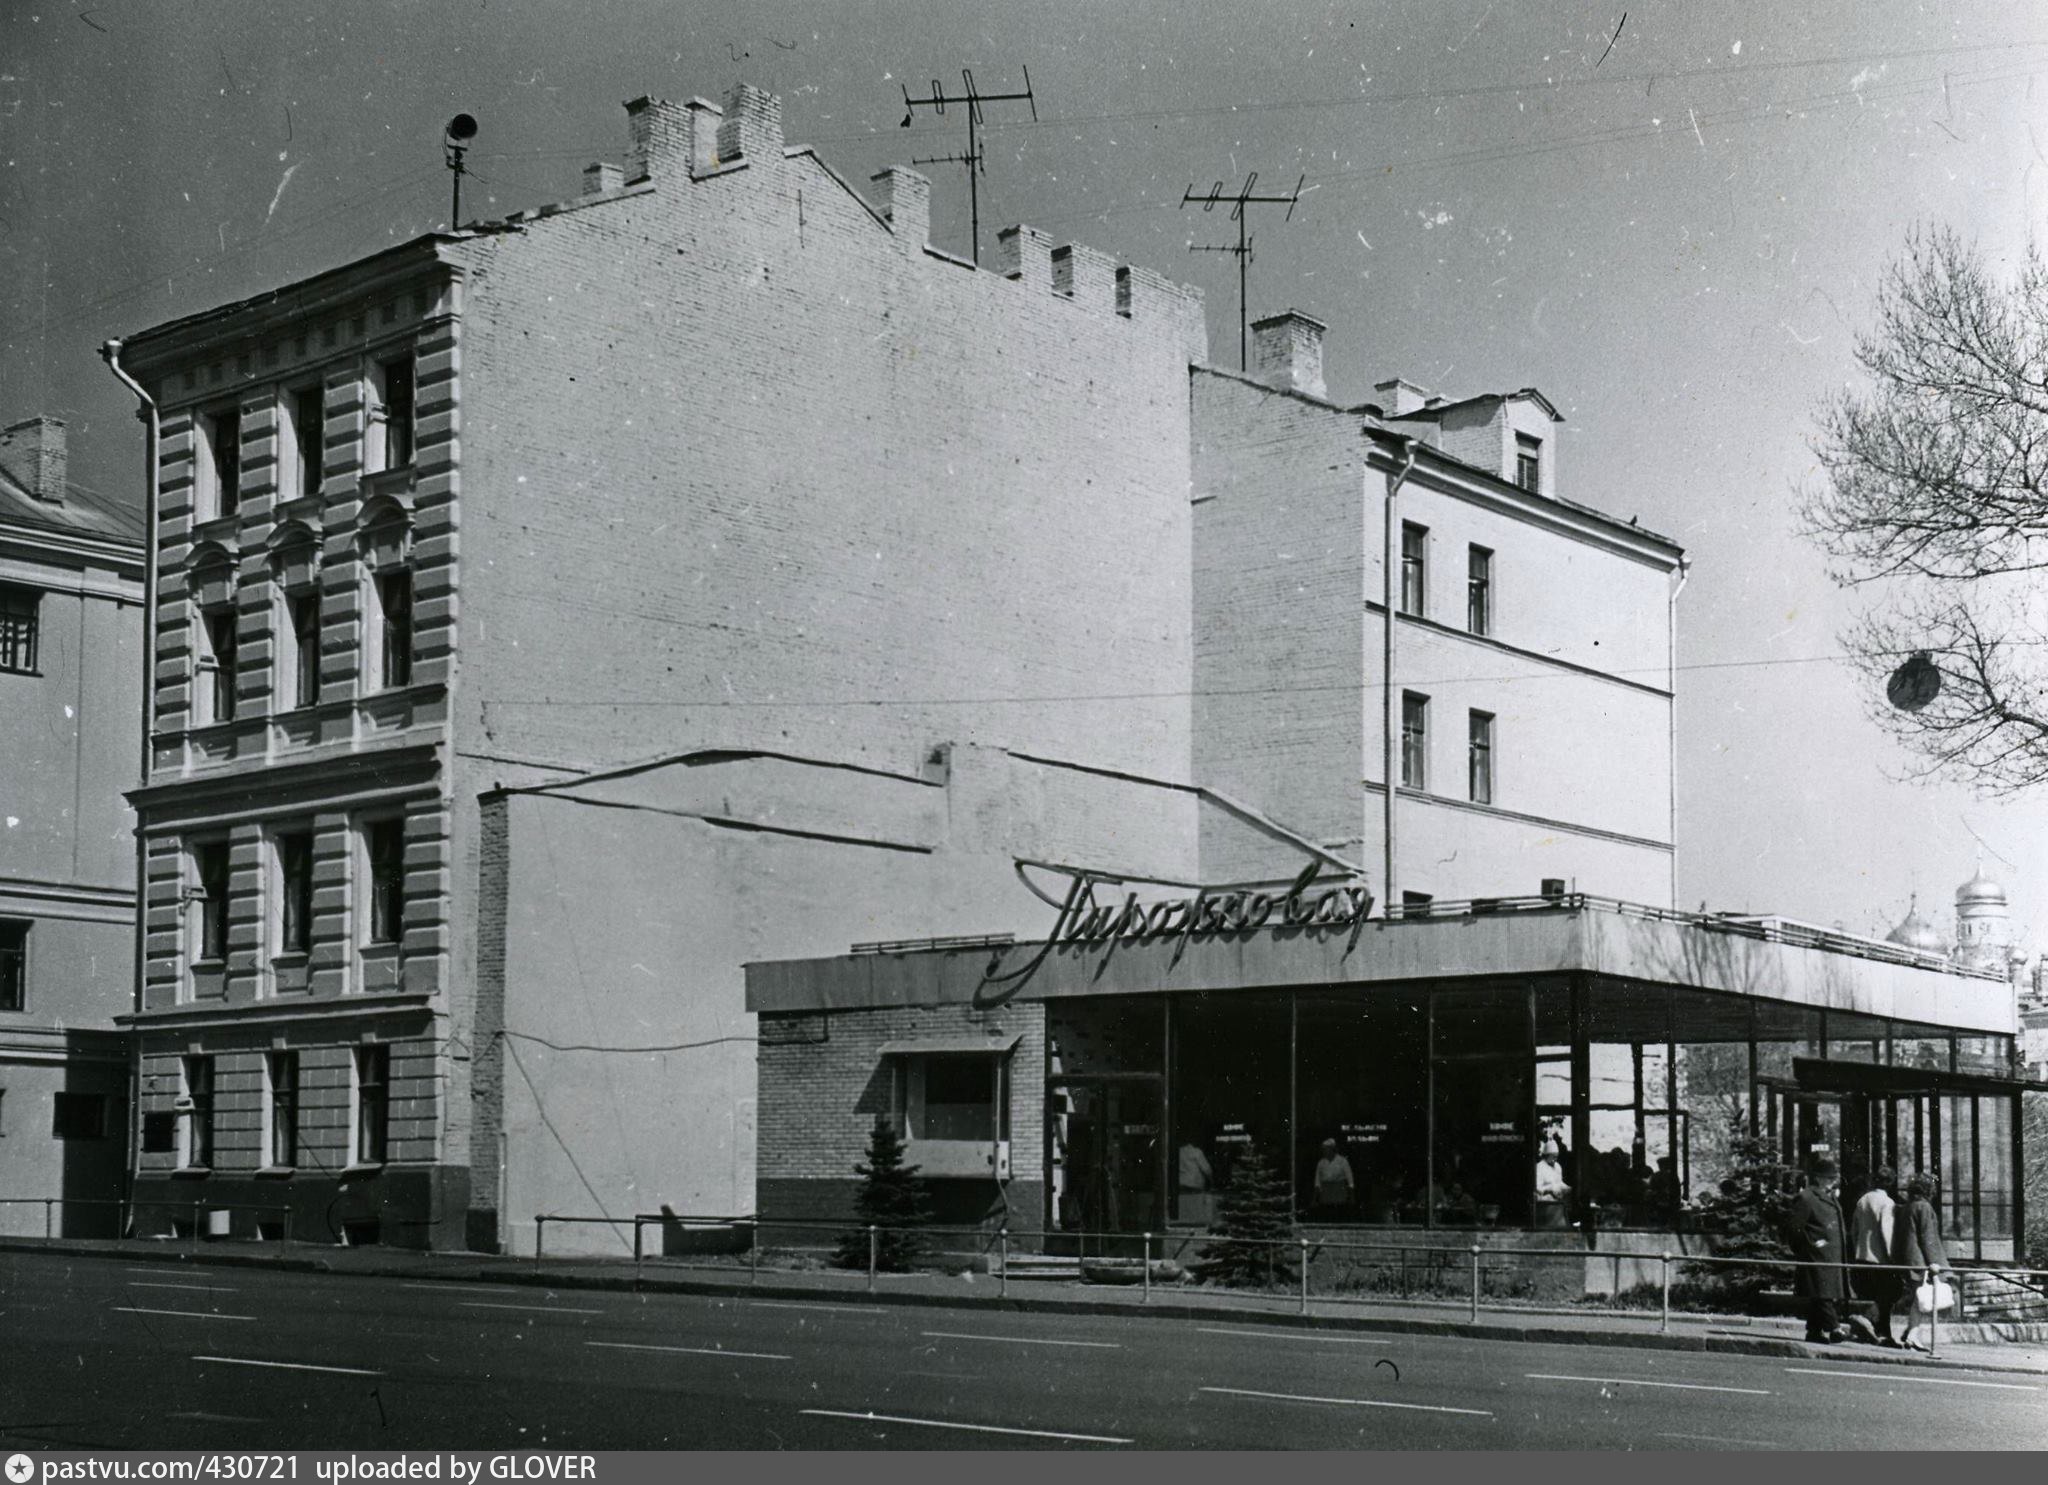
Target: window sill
{"x": 292, "y": 959}
{"x": 363, "y": 1168}
{"x": 274, "y": 1172}
{"x": 10, "y": 670}
{"x": 191, "y": 1172}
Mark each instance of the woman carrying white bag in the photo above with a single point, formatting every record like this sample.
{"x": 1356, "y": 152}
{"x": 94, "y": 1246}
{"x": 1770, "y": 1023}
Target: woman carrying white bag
{"x": 1916, "y": 1245}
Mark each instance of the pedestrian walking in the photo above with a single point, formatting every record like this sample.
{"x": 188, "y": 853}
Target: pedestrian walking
{"x": 1870, "y": 1247}
{"x": 1813, "y": 1228}
{"x": 1917, "y": 1249}
{"x": 1335, "y": 1187}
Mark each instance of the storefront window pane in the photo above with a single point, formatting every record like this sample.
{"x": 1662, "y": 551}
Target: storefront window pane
{"x": 1628, "y": 1125}
{"x": 1914, "y": 1045}
{"x": 1484, "y": 1071}
{"x": 1855, "y": 1038}
{"x": 1230, "y": 1089}
{"x": 1362, "y": 1081}
{"x": 1994, "y": 1174}
{"x": 1958, "y": 1220}
{"x": 1983, "y": 1054}
{"x": 1783, "y": 1032}
{"x": 1711, "y": 1058}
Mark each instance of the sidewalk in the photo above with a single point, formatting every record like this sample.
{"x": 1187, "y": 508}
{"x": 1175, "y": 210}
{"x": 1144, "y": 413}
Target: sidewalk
{"x": 1736, "y": 1335}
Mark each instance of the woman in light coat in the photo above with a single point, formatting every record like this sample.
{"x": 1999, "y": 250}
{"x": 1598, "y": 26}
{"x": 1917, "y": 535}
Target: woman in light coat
{"x": 1916, "y": 1245}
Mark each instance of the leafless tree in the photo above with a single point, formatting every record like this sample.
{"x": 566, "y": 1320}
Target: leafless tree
{"x": 1935, "y": 498}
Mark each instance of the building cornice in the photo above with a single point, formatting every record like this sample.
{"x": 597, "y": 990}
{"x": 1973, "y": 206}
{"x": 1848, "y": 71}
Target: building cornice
{"x": 151, "y": 351}
{"x": 276, "y": 1011}
{"x": 41, "y": 546}
{"x": 253, "y": 790}
{"x": 1449, "y": 475}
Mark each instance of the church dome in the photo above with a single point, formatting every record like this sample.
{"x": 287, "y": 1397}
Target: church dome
{"x": 1917, "y": 933}
{"x": 1980, "y": 890}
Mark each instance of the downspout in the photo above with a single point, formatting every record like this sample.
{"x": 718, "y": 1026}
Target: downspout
{"x": 151, "y": 418}
{"x": 1389, "y": 697}
{"x": 1671, "y": 709}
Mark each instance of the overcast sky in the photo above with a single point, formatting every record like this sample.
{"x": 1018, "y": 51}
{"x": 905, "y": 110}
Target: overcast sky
{"x": 1672, "y": 223}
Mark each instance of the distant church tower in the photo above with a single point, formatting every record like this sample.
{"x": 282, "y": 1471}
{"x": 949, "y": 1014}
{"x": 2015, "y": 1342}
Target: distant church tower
{"x": 1983, "y": 925}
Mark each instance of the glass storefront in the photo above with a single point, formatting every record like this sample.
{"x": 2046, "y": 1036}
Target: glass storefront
{"x": 1526, "y": 1103}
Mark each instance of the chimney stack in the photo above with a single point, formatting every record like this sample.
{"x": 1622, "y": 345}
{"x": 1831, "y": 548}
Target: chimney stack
{"x": 1287, "y": 350}
{"x": 34, "y": 455}
{"x": 904, "y": 198}
{"x": 1398, "y": 398}
{"x": 752, "y": 126}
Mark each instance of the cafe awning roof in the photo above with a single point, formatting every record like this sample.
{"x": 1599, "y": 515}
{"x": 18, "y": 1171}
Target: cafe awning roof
{"x": 928, "y": 1046}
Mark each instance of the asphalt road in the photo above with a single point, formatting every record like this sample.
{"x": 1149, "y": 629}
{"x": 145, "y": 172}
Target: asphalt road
{"x": 158, "y": 1354}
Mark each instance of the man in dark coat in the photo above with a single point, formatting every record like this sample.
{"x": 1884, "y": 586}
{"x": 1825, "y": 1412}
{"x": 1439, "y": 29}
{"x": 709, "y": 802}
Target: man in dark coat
{"x": 1814, "y": 1229}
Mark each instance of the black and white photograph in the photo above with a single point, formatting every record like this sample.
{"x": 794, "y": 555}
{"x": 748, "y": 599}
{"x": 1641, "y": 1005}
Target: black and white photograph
{"x": 1087, "y": 725}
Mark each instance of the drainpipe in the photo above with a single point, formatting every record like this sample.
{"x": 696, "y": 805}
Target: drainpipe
{"x": 1390, "y": 554}
{"x": 1671, "y": 680}
{"x": 147, "y": 411}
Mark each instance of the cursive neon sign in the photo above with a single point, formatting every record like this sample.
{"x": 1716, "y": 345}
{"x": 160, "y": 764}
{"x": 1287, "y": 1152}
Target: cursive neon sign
{"x": 1085, "y": 920}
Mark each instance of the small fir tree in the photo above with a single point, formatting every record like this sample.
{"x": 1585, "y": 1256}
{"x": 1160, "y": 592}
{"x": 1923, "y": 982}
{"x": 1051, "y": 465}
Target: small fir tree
{"x": 1254, "y": 1218}
{"x": 1747, "y": 1217}
{"x": 891, "y": 1199}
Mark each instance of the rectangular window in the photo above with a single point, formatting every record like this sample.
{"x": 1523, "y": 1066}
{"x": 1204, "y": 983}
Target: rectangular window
{"x": 1414, "y": 740}
{"x": 1414, "y": 568}
{"x": 309, "y": 438}
{"x": 210, "y": 887}
{"x": 222, "y": 643}
{"x": 20, "y": 628}
{"x": 959, "y": 1099}
{"x": 197, "y": 1087}
{"x": 1528, "y": 461}
{"x": 295, "y": 892}
{"x": 281, "y": 1109}
{"x": 393, "y": 411}
{"x": 394, "y": 613}
{"x": 384, "y": 847}
{"x": 304, "y": 611}
{"x": 373, "y": 1105}
{"x": 79, "y": 1116}
{"x": 224, "y": 463}
{"x": 13, "y": 966}
{"x": 1479, "y": 731}
{"x": 1479, "y": 590}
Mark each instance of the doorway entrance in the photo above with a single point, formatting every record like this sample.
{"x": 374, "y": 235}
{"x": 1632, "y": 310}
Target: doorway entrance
{"x": 1106, "y": 1155}
{"x": 1955, "y": 1128}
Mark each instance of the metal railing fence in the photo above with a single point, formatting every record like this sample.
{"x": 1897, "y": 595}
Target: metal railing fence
{"x": 1470, "y": 1277}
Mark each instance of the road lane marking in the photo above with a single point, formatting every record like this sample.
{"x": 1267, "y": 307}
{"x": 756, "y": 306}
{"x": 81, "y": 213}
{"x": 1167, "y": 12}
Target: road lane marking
{"x": 202, "y": 1288}
{"x": 688, "y": 1350}
{"x": 186, "y": 1314}
{"x": 447, "y": 1286}
{"x": 1297, "y": 1335}
{"x": 290, "y": 1366}
{"x": 1020, "y": 1340}
{"x": 1815, "y": 1371}
{"x": 1715, "y": 1438}
{"x": 1348, "y": 1402}
{"x": 1640, "y": 1382}
{"x": 1026, "y": 1433}
{"x": 790, "y": 1304}
{"x": 180, "y": 1273}
{"x": 484, "y": 1304}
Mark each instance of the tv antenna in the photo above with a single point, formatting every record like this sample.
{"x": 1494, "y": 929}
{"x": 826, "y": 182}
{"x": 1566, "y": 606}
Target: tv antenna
{"x": 1242, "y": 250}
{"x": 454, "y": 145}
{"x": 973, "y": 98}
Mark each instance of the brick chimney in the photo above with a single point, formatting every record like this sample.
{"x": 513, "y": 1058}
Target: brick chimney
{"x": 661, "y": 138}
{"x": 1287, "y": 350}
{"x": 599, "y": 178}
{"x": 752, "y": 126}
{"x": 904, "y": 198}
{"x": 34, "y": 456}
{"x": 1398, "y": 398}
